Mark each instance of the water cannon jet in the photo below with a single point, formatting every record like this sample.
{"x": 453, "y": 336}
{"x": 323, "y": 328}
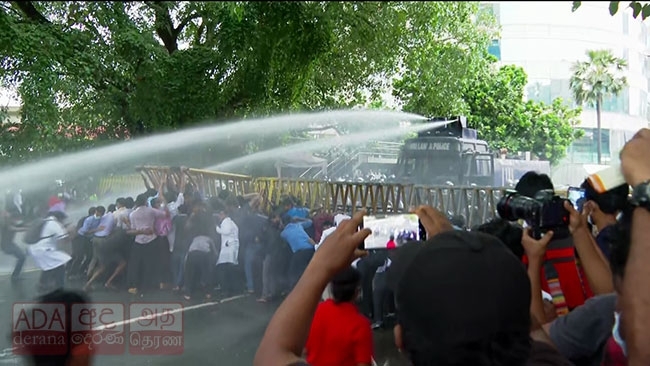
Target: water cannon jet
{"x": 454, "y": 127}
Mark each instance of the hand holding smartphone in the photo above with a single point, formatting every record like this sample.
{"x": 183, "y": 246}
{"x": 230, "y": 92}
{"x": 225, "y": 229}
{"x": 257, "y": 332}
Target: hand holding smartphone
{"x": 577, "y": 197}
{"x": 391, "y": 231}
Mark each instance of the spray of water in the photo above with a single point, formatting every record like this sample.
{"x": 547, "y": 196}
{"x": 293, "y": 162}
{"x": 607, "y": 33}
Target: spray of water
{"x": 36, "y": 175}
{"x": 347, "y": 140}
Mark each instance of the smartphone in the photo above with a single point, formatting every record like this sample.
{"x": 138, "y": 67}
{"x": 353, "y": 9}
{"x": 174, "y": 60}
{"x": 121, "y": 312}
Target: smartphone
{"x": 391, "y": 231}
{"x": 577, "y": 197}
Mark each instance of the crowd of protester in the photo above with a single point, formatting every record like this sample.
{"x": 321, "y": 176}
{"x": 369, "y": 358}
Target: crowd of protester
{"x": 492, "y": 295}
{"x": 172, "y": 240}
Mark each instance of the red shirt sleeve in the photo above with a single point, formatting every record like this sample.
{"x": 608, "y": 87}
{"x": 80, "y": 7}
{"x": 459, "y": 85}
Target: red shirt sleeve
{"x": 363, "y": 347}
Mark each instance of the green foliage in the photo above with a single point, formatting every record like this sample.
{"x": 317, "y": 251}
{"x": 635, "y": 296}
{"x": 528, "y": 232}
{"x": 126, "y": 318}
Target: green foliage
{"x": 598, "y": 77}
{"x": 638, "y": 8}
{"x": 114, "y": 70}
{"x": 503, "y": 118}
{"x": 450, "y": 50}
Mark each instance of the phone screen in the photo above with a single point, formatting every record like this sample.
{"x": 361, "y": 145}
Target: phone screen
{"x": 577, "y": 197}
{"x": 390, "y": 231}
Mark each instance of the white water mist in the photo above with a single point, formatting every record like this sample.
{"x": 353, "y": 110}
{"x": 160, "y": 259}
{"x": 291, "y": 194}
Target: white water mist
{"x": 39, "y": 174}
{"x": 346, "y": 140}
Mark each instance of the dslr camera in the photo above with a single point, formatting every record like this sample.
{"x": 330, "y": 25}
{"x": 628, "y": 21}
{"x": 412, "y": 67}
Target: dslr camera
{"x": 545, "y": 212}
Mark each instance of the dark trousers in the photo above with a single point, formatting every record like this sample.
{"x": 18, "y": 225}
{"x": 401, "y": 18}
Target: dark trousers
{"x": 228, "y": 277}
{"x": 380, "y": 296}
{"x": 164, "y": 260}
{"x": 52, "y": 279}
{"x": 13, "y": 249}
{"x": 252, "y": 263}
{"x": 82, "y": 254}
{"x": 298, "y": 264}
{"x": 197, "y": 272}
{"x": 367, "y": 268}
{"x": 178, "y": 267}
{"x": 143, "y": 268}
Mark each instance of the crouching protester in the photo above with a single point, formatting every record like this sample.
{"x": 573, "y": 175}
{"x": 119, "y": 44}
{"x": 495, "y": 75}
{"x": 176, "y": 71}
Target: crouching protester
{"x": 480, "y": 316}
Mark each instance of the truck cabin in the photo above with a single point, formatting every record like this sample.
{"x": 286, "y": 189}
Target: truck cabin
{"x": 446, "y": 154}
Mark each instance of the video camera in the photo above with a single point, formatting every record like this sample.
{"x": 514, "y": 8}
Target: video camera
{"x": 545, "y": 212}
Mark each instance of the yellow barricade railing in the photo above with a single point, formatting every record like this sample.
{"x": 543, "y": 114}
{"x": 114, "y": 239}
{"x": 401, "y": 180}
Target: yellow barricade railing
{"x": 475, "y": 204}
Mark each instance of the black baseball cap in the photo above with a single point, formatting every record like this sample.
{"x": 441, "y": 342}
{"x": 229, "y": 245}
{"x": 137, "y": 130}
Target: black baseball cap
{"x": 460, "y": 288}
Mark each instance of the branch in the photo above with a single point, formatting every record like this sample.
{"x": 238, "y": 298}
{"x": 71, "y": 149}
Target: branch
{"x": 164, "y": 26}
{"x": 177, "y": 31}
{"x": 199, "y": 32}
{"x": 27, "y": 8}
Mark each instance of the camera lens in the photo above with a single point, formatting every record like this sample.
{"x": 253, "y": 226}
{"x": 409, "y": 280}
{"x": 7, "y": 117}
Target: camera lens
{"x": 513, "y": 207}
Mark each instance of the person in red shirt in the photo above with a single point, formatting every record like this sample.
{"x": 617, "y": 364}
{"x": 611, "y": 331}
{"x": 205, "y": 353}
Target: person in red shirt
{"x": 340, "y": 335}
{"x": 391, "y": 243}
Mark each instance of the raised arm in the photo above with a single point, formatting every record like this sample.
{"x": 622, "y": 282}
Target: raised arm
{"x": 635, "y": 299}
{"x": 288, "y": 330}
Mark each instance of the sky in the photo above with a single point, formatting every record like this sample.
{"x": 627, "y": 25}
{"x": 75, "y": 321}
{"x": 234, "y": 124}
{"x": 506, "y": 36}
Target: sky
{"x": 6, "y": 99}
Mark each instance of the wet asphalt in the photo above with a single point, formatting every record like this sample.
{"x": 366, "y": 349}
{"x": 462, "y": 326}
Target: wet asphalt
{"x": 215, "y": 331}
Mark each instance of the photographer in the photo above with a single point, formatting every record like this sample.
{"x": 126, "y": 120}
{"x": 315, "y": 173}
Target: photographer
{"x": 604, "y": 209}
{"x": 535, "y": 202}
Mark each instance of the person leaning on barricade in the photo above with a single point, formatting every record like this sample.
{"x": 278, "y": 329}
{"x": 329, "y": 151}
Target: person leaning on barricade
{"x": 462, "y": 299}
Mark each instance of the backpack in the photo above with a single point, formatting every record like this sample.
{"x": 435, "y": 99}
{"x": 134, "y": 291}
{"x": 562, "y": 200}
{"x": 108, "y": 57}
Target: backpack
{"x": 33, "y": 234}
{"x": 162, "y": 227}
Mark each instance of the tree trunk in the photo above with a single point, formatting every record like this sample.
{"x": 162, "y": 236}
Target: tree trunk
{"x": 599, "y": 103}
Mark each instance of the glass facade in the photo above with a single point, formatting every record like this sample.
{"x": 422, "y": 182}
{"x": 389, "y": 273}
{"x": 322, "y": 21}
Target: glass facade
{"x": 547, "y": 38}
{"x": 495, "y": 49}
{"x": 585, "y": 149}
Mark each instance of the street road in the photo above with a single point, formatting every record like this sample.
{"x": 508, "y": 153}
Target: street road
{"x": 215, "y": 333}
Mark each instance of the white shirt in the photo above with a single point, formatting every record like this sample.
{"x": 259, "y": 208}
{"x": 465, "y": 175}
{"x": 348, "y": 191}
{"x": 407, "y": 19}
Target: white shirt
{"x": 324, "y": 236}
{"x": 121, "y": 217}
{"x": 46, "y": 252}
{"x": 229, "y": 241}
{"x": 337, "y": 220}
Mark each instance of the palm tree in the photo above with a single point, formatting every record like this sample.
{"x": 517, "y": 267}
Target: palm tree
{"x": 595, "y": 79}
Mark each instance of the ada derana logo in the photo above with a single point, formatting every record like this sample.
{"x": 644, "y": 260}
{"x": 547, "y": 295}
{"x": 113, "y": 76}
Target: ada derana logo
{"x": 39, "y": 329}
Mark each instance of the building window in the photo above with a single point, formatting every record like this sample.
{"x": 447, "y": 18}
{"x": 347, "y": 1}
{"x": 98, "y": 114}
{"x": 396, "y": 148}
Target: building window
{"x": 540, "y": 92}
{"x": 585, "y": 149}
{"x": 495, "y": 49}
{"x": 626, "y": 24}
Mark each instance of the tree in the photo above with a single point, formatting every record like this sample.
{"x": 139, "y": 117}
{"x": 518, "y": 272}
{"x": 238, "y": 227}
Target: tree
{"x": 595, "y": 79}
{"x": 638, "y": 8}
{"x": 94, "y": 71}
{"x": 447, "y": 54}
{"x": 498, "y": 110}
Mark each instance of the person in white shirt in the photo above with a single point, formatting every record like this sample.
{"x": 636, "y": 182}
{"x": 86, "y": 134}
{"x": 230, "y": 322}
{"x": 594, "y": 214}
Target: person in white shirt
{"x": 337, "y": 220}
{"x": 121, "y": 214}
{"x": 226, "y": 270}
{"x": 47, "y": 255}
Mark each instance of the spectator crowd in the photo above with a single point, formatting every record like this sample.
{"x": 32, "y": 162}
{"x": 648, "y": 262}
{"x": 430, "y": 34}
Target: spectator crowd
{"x": 496, "y": 294}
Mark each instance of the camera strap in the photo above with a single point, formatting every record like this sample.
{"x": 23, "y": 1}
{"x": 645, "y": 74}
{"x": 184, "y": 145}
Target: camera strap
{"x": 553, "y": 281}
